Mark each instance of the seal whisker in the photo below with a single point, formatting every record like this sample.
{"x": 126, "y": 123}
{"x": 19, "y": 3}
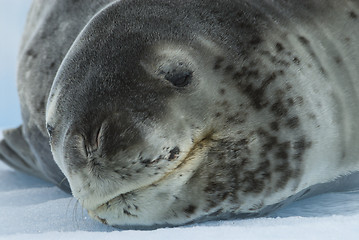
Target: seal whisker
{"x": 68, "y": 205}
{"x": 62, "y": 181}
{"x": 74, "y": 213}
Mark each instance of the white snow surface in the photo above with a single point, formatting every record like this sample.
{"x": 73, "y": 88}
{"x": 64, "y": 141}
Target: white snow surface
{"x": 33, "y": 209}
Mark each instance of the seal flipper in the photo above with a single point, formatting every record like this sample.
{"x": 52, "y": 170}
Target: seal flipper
{"x": 16, "y": 152}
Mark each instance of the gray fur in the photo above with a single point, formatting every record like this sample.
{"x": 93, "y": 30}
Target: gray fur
{"x": 265, "y": 110}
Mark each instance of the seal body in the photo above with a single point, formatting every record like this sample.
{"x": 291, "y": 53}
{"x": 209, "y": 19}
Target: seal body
{"x": 166, "y": 112}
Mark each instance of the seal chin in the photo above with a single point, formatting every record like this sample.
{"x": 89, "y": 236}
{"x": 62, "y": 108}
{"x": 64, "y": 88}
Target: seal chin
{"x": 124, "y": 208}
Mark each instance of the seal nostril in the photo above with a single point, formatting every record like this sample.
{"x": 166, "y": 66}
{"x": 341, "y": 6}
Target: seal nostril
{"x": 98, "y": 138}
{"x": 92, "y": 143}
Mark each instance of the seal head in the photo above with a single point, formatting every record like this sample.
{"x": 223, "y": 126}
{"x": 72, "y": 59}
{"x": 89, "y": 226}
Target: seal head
{"x": 172, "y": 116}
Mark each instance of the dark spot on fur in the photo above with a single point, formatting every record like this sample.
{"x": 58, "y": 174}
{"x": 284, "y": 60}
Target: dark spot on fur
{"x": 229, "y": 69}
{"x": 31, "y": 53}
{"x": 218, "y": 63}
{"x": 279, "y": 109}
{"x": 225, "y": 104}
{"x": 243, "y": 142}
{"x": 190, "y": 209}
{"x": 246, "y": 73}
{"x": 222, "y": 91}
{"x": 263, "y": 133}
{"x": 293, "y": 122}
{"x": 296, "y": 60}
{"x": 146, "y": 161}
{"x": 211, "y": 204}
{"x": 279, "y": 47}
{"x": 254, "y": 181}
{"x": 353, "y": 15}
{"x": 283, "y": 63}
{"x": 301, "y": 146}
{"x": 284, "y": 146}
{"x": 283, "y": 149}
{"x": 338, "y": 59}
{"x": 265, "y": 53}
{"x": 282, "y": 155}
{"x": 288, "y": 87}
{"x": 274, "y": 126}
{"x": 303, "y": 40}
{"x": 290, "y": 102}
{"x": 256, "y": 40}
{"x": 174, "y": 153}
{"x": 271, "y": 142}
{"x": 255, "y": 94}
{"x": 300, "y": 100}
{"x": 214, "y": 187}
{"x": 52, "y": 65}
{"x": 218, "y": 114}
{"x": 237, "y": 118}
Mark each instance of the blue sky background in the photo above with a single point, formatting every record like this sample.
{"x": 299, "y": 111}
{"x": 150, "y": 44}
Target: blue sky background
{"x": 12, "y": 19}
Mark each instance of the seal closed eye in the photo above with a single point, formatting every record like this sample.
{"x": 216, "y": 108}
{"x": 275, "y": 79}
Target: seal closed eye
{"x": 179, "y": 79}
{"x": 177, "y": 74}
{"x": 167, "y": 112}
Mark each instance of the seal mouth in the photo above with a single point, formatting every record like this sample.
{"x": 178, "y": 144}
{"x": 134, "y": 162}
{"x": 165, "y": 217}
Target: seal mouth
{"x": 190, "y": 156}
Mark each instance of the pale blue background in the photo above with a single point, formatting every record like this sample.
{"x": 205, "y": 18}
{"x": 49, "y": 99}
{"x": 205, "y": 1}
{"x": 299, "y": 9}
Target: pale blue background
{"x": 12, "y": 19}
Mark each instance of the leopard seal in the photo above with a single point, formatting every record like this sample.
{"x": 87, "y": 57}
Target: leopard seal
{"x": 164, "y": 112}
